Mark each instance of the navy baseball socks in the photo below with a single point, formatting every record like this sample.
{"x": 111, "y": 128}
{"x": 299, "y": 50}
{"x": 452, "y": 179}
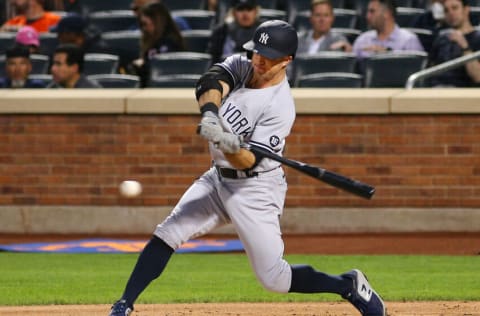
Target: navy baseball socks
{"x": 352, "y": 286}
{"x": 150, "y": 265}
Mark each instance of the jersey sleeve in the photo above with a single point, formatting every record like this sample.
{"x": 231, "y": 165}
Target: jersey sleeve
{"x": 239, "y": 68}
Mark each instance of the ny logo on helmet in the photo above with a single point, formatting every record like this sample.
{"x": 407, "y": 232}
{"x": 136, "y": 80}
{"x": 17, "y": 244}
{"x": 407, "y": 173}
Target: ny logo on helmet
{"x": 263, "y": 38}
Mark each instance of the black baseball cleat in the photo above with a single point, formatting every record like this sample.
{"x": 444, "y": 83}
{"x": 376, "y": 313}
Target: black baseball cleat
{"x": 121, "y": 308}
{"x": 362, "y": 295}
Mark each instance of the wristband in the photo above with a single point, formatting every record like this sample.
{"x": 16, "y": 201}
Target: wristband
{"x": 209, "y": 106}
{"x": 466, "y": 49}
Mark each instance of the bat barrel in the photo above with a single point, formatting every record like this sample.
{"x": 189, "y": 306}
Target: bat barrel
{"x": 347, "y": 184}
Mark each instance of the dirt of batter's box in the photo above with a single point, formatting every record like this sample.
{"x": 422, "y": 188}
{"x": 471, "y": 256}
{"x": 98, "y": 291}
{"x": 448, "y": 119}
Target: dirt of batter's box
{"x": 252, "y": 309}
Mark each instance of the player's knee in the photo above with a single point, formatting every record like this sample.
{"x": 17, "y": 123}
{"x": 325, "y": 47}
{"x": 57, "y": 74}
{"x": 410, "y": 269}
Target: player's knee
{"x": 275, "y": 280}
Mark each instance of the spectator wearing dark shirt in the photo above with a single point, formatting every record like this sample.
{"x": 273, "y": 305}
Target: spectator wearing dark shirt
{"x": 18, "y": 68}
{"x": 160, "y": 34}
{"x": 433, "y": 20}
{"x": 461, "y": 39}
{"x": 136, "y": 5}
{"x": 73, "y": 29}
{"x": 229, "y": 36}
{"x": 67, "y": 68}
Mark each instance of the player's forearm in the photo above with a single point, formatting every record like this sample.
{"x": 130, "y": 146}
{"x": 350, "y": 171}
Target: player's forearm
{"x": 213, "y": 95}
{"x": 244, "y": 159}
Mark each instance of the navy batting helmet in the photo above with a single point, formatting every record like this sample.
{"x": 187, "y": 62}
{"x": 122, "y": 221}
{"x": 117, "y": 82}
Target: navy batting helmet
{"x": 274, "y": 39}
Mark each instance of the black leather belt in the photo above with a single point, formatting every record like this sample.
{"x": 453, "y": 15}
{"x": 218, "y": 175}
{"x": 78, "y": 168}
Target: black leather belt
{"x": 234, "y": 173}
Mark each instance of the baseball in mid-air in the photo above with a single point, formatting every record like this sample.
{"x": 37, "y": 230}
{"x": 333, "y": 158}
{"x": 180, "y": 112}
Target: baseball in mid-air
{"x": 130, "y": 188}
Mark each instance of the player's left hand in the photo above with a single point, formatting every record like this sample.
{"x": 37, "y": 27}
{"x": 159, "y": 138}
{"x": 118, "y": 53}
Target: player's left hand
{"x": 210, "y": 127}
{"x": 229, "y": 143}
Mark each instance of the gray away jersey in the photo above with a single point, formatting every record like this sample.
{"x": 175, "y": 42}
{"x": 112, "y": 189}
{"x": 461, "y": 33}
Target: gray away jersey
{"x": 264, "y": 117}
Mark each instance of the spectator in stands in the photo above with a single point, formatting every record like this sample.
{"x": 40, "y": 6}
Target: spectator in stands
{"x": 33, "y": 14}
{"x": 433, "y": 20}
{"x": 27, "y": 36}
{"x": 67, "y": 68}
{"x": 320, "y": 37}
{"x": 136, "y": 5}
{"x": 212, "y": 5}
{"x": 18, "y": 68}
{"x": 385, "y": 35}
{"x": 462, "y": 39}
{"x": 229, "y": 36}
{"x": 73, "y": 29}
{"x": 160, "y": 34}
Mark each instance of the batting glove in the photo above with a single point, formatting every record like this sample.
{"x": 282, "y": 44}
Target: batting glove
{"x": 229, "y": 143}
{"x": 210, "y": 127}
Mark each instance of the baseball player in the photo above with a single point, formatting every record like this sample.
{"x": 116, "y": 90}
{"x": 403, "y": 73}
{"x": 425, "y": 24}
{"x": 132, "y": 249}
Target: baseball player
{"x": 245, "y": 101}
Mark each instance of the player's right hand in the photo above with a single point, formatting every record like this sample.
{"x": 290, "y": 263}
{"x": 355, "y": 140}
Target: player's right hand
{"x": 210, "y": 127}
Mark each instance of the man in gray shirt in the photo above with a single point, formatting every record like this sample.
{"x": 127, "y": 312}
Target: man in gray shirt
{"x": 320, "y": 37}
{"x": 67, "y": 68}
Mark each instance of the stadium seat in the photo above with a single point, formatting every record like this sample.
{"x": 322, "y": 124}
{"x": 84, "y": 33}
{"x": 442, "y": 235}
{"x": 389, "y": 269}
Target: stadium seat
{"x": 184, "y": 4}
{"x": 197, "y": 19}
{"x": 40, "y": 64}
{"x": 272, "y": 14}
{"x": 7, "y": 40}
{"x": 406, "y": 3}
{"x": 89, "y": 6}
{"x": 48, "y": 43}
{"x": 268, "y": 4}
{"x": 174, "y": 81}
{"x": 108, "y": 21}
{"x": 391, "y": 70}
{"x": 124, "y": 44}
{"x": 179, "y": 63}
{"x": 406, "y": 16}
{"x": 197, "y": 40}
{"x": 301, "y": 21}
{"x": 95, "y": 64}
{"x": 45, "y": 78}
{"x": 475, "y": 14}
{"x": 295, "y": 7}
{"x": 116, "y": 80}
{"x": 3, "y": 60}
{"x": 330, "y": 80}
{"x": 345, "y": 18}
{"x": 323, "y": 62}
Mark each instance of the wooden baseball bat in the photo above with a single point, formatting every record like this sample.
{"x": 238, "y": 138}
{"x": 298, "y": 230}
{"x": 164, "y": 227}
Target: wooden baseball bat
{"x": 337, "y": 180}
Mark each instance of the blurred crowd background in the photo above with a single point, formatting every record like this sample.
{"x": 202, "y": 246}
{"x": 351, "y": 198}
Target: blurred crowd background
{"x": 170, "y": 43}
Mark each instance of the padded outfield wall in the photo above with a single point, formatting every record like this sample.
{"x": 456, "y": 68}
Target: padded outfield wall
{"x": 64, "y": 152}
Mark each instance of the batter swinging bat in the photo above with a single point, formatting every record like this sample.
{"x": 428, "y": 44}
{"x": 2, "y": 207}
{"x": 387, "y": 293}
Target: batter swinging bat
{"x": 337, "y": 180}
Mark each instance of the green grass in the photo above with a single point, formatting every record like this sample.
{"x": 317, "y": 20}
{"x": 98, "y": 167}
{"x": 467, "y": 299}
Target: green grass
{"x": 34, "y": 279}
